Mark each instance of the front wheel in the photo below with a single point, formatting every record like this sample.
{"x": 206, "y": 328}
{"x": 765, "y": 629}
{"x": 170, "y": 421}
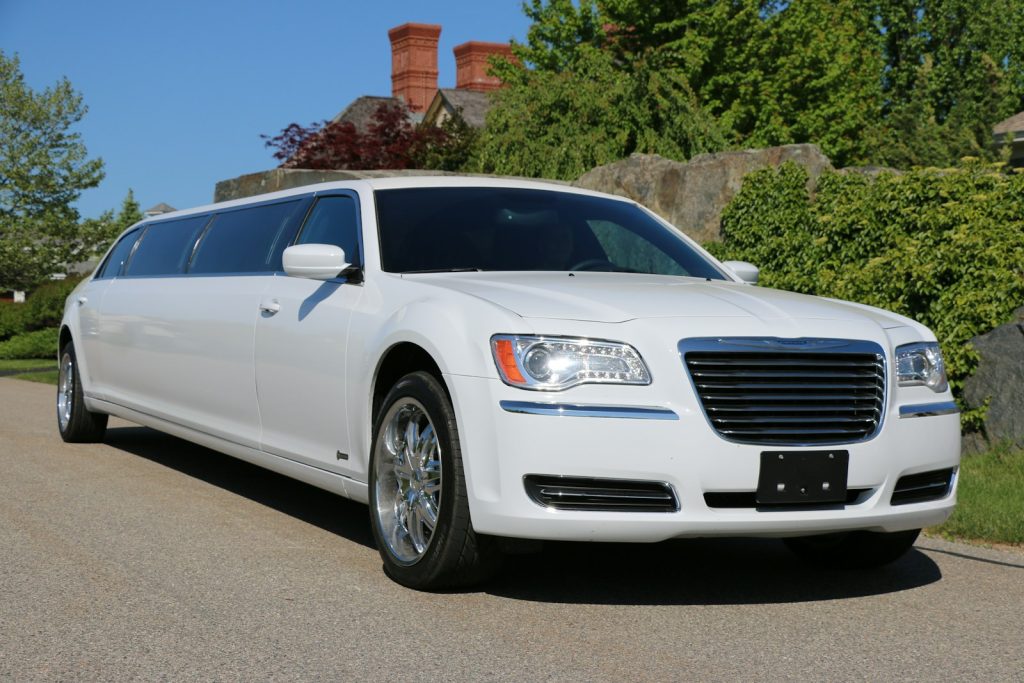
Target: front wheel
{"x": 853, "y": 549}
{"x": 419, "y": 509}
{"x": 75, "y": 422}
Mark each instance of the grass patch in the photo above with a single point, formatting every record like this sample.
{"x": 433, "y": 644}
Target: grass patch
{"x": 27, "y": 364}
{"x": 45, "y": 377}
{"x": 990, "y": 498}
{"x": 32, "y": 369}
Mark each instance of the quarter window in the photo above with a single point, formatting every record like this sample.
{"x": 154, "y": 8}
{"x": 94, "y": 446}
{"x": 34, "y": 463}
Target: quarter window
{"x": 333, "y": 221}
{"x": 248, "y": 240}
{"x": 118, "y": 255}
{"x": 166, "y": 246}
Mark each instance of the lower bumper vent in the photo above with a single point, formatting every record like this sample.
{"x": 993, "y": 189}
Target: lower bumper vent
{"x": 918, "y": 488}
{"x": 600, "y": 495}
{"x": 748, "y": 499}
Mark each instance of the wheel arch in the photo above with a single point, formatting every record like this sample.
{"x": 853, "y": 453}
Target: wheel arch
{"x": 65, "y": 337}
{"x": 398, "y": 360}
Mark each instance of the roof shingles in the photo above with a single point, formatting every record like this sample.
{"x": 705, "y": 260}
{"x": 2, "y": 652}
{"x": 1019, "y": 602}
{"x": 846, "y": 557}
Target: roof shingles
{"x": 1011, "y": 125}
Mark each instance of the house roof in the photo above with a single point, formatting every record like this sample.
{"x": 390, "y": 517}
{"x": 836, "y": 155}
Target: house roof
{"x": 158, "y": 209}
{"x": 361, "y": 110}
{"x": 1011, "y": 125}
{"x": 472, "y": 103}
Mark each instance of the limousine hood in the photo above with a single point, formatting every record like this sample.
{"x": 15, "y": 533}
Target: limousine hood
{"x": 618, "y": 297}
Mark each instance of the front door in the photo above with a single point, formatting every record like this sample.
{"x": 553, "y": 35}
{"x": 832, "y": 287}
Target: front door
{"x": 300, "y": 349}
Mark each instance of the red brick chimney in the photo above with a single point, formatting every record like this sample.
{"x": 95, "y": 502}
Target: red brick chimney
{"x": 414, "y": 63}
{"x": 471, "y": 65}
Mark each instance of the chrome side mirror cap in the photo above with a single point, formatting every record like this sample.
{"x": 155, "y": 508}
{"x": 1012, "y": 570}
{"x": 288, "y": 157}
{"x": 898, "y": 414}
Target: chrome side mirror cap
{"x": 315, "y": 261}
{"x": 747, "y": 272}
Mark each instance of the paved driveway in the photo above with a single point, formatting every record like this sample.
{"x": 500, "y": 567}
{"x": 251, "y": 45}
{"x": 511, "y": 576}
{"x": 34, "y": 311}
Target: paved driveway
{"x": 148, "y": 557}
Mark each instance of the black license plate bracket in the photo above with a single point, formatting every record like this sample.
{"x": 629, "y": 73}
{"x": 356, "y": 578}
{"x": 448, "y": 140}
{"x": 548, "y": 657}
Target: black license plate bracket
{"x": 803, "y": 477}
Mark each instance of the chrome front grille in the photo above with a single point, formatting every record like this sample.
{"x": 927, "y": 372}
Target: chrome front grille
{"x": 788, "y": 391}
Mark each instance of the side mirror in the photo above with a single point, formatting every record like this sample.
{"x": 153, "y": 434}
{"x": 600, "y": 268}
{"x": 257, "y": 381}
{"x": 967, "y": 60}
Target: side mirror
{"x": 747, "y": 272}
{"x": 315, "y": 261}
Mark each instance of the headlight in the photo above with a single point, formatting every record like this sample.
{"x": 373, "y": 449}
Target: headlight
{"x": 556, "y": 363}
{"x": 921, "y": 364}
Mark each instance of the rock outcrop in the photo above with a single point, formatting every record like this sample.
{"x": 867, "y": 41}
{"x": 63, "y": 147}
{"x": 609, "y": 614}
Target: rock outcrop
{"x": 999, "y": 379}
{"x": 692, "y": 195}
{"x": 288, "y": 178}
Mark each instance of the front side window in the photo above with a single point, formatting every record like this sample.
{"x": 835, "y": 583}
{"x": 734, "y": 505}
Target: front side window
{"x": 248, "y": 240}
{"x": 114, "y": 264}
{"x": 513, "y": 229}
{"x": 165, "y": 247}
{"x": 334, "y": 221}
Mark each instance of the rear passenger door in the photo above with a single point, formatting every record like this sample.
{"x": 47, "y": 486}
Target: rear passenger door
{"x": 300, "y": 348}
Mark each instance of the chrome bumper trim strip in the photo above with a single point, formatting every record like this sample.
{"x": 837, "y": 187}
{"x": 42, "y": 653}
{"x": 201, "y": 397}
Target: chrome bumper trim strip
{"x": 581, "y": 410}
{"x": 929, "y": 409}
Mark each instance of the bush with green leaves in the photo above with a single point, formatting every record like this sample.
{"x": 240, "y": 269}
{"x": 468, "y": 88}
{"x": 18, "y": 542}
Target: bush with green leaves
{"x": 942, "y": 246}
{"x": 38, "y": 344}
{"x": 43, "y": 308}
{"x": 12, "y": 320}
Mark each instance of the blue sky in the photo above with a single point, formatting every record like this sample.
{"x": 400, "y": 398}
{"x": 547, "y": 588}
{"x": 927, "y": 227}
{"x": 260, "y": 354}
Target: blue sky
{"x": 179, "y": 92}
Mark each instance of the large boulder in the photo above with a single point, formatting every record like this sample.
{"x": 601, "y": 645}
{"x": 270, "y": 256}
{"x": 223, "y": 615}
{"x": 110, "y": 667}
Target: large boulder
{"x": 692, "y": 195}
{"x": 1000, "y": 380}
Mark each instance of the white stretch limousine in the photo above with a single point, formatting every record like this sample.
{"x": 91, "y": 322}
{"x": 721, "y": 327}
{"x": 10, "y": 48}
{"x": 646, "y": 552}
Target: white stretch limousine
{"x": 482, "y": 360}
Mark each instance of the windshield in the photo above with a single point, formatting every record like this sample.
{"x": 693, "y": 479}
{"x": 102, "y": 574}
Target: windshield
{"x": 443, "y": 229}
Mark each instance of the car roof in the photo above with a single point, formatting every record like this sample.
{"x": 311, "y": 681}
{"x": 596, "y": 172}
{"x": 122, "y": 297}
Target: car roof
{"x": 388, "y": 183}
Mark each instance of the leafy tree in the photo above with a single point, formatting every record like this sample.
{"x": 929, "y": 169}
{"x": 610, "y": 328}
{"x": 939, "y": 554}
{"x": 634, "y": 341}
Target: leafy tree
{"x": 607, "y": 78}
{"x": 817, "y": 81}
{"x": 44, "y": 167}
{"x": 450, "y": 148}
{"x": 952, "y": 69}
{"x": 896, "y": 82}
{"x": 100, "y": 232}
{"x": 390, "y": 141}
{"x": 572, "y": 101}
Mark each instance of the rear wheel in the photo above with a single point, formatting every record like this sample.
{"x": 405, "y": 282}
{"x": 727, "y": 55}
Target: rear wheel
{"x": 419, "y": 509}
{"x": 853, "y": 549}
{"x": 75, "y": 422}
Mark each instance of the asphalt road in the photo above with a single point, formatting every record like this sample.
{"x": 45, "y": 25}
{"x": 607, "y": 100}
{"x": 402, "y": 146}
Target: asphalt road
{"x": 151, "y": 558}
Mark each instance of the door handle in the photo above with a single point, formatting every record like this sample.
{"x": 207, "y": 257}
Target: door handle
{"x": 270, "y": 307}
{"x": 83, "y": 300}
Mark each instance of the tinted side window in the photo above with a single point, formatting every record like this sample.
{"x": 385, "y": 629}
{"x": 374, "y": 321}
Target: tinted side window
{"x": 248, "y": 240}
{"x": 333, "y": 221}
{"x": 166, "y": 246}
{"x": 118, "y": 255}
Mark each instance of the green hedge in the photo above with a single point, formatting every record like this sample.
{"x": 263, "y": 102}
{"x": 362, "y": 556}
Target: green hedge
{"x": 12, "y": 320}
{"x": 942, "y": 246}
{"x": 44, "y": 307}
{"x": 38, "y": 344}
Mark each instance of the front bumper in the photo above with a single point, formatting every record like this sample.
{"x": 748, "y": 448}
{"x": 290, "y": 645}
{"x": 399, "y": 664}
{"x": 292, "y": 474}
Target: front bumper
{"x": 500, "y": 447}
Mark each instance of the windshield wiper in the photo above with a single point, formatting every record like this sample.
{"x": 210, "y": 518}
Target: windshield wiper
{"x": 443, "y": 270}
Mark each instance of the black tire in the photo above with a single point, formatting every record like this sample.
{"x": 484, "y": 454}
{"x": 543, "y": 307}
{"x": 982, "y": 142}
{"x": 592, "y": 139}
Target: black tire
{"x": 853, "y": 549}
{"x": 455, "y": 555}
{"x": 75, "y": 422}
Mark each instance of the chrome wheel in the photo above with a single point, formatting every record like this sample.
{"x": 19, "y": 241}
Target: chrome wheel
{"x": 408, "y": 480}
{"x": 65, "y": 391}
